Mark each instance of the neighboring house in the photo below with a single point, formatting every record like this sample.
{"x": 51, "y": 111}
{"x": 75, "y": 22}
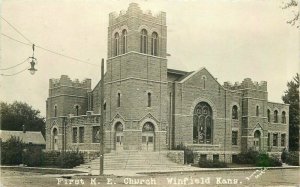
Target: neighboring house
{"x": 149, "y": 107}
{"x": 32, "y": 138}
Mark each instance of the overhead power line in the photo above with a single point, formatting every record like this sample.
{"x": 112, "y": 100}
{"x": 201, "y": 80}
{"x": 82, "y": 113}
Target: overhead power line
{"x": 16, "y": 30}
{"x": 15, "y": 73}
{"x": 48, "y": 50}
{"x": 14, "y": 65}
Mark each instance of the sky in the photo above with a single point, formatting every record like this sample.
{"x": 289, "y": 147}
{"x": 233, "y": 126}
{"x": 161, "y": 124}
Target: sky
{"x": 233, "y": 39}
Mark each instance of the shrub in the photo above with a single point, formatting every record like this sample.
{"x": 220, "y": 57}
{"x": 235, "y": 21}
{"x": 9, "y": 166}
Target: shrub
{"x": 188, "y": 153}
{"x": 11, "y": 151}
{"x": 33, "y": 156}
{"x": 293, "y": 158}
{"x": 264, "y": 160}
{"x": 284, "y": 155}
{"x": 248, "y": 157}
{"x": 211, "y": 164}
{"x": 70, "y": 159}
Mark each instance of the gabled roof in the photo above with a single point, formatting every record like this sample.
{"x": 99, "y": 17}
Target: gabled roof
{"x": 33, "y": 137}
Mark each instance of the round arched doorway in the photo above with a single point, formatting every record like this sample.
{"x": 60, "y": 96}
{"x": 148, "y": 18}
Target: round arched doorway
{"x": 148, "y": 137}
{"x": 119, "y": 136}
{"x": 54, "y": 139}
{"x": 256, "y": 142}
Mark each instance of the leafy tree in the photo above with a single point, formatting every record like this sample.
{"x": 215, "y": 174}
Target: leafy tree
{"x": 11, "y": 151}
{"x": 291, "y": 97}
{"x": 294, "y": 6}
{"x": 14, "y": 116}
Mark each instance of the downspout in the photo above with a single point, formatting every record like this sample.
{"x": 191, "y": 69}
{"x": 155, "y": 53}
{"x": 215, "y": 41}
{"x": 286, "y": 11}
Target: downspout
{"x": 225, "y": 127}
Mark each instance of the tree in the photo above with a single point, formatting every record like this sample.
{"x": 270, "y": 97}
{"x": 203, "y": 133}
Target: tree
{"x": 14, "y": 116}
{"x": 291, "y": 97}
{"x": 293, "y": 5}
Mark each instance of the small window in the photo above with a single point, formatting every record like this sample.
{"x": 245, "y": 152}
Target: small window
{"x": 275, "y": 139}
{"x": 104, "y": 106}
{"x": 257, "y": 110}
{"x": 144, "y": 41}
{"x": 234, "y": 137}
{"x": 77, "y": 110}
{"x": 269, "y": 138}
{"x": 269, "y": 115}
{"x": 74, "y": 135}
{"x": 96, "y": 134}
{"x": 204, "y": 81}
{"x": 203, "y": 157}
{"x": 154, "y": 44}
{"x": 119, "y": 100}
{"x": 124, "y": 41}
{"x": 149, "y": 99}
{"x": 55, "y": 111}
{"x": 283, "y": 118}
{"x": 144, "y": 139}
{"x": 150, "y": 139}
{"x": 81, "y": 134}
{"x": 116, "y": 44}
{"x": 275, "y": 116}
{"x": 234, "y": 112}
{"x": 282, "y": 140}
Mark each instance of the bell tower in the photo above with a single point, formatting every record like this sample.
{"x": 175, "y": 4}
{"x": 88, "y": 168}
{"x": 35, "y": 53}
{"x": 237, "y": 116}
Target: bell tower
{"x": 137, "y": 31}
{"x": 136, "y": 76}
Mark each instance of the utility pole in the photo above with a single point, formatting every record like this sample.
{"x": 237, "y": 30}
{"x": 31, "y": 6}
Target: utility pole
{"x": 102, "y": 119}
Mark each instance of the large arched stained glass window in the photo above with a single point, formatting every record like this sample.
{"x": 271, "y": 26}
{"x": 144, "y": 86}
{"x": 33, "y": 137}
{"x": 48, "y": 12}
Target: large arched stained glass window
{"x": 203, "y": 124}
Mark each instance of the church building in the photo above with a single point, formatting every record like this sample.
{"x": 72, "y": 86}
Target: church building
{"x": 148, "y": 107}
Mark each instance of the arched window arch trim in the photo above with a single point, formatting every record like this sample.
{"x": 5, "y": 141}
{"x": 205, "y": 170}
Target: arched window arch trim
{"x": 202, "y": 99}
{"x": 148, "y": 120}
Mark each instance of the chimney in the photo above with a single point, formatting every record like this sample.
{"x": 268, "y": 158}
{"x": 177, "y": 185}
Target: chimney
{"x": 24, "y": 130}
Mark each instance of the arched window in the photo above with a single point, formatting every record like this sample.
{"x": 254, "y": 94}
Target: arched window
{"x": 55, "y": 111}
{"x": 154, "y": 44}
{"x": 234, "y": 112}
{"x": 257, "y": 110}
{"x": 144, "y": 39}
{"x": 283, "y": 118}
{"x": 203, "y": 124}
{"x": 149, "y": 99}
{"x": 275, "y": 116}
{"x": 116, "y": 44}
{"x": 269, "y": 115}
{"x": 77, "y": 110}
{"x": 124, "y": 41}
{"x": 119, "y": 100}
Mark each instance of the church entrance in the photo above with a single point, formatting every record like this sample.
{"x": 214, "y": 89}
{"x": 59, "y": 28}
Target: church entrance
{"x": 256, "y": 142}
{"x": 148, "y": 137}
{"x": 119, "y": 136}
{"x": 54, "y": 139}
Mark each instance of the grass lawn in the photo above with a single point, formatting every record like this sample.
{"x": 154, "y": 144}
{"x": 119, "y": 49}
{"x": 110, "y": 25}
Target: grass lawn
{"x": 41, "y": 171}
